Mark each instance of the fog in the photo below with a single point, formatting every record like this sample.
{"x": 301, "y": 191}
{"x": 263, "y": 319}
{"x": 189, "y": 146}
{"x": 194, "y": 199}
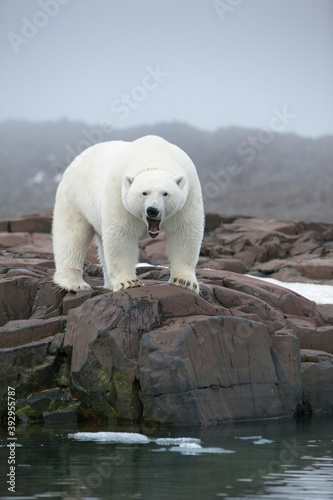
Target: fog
{"x": 208, "y": 63}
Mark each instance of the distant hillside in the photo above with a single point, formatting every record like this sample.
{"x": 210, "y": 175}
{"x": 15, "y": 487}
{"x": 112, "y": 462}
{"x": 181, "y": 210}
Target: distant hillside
{"x": 242, "y": 171}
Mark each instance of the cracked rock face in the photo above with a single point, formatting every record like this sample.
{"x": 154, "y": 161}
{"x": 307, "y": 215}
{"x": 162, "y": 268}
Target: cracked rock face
{"x": 161, "y": 354}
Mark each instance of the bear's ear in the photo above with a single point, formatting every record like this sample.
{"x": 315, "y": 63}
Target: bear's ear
{"x": 181, "y": 180}
{"x": 128, "y": 179}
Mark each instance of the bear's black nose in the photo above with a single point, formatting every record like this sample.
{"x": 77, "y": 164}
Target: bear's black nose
{"x": 152, "y": 212}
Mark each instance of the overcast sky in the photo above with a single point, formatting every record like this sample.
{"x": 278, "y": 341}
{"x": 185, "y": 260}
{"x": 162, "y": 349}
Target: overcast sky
{"x": 208, "y": 63}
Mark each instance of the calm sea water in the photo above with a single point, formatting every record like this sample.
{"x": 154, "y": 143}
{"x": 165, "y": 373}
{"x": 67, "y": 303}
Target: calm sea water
{"x": 274, "y": 459}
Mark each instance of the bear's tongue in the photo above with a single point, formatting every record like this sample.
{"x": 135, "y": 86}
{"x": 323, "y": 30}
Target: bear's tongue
{"x": 153, "y": 227}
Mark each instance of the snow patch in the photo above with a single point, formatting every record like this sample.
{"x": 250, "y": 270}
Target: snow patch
{"x": 321, "y": 294}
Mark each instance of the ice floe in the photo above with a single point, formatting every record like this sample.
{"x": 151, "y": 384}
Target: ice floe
{"x": 111, "y": 437}
{"x": 183, "y": 445}
{"x": 255, "y": 439}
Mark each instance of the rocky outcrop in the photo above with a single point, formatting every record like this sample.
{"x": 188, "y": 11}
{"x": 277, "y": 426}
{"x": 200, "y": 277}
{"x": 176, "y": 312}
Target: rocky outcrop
{"x": 243, "y": 349}
{"x": 285, "y": 250}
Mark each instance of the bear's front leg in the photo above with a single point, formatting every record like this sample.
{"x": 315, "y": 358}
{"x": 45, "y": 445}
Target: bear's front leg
{"x": 121, "y": 252}
{"x": 183, "y": 247}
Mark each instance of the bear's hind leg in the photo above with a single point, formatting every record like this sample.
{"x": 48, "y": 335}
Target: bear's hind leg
{"x": 72, "y": 235}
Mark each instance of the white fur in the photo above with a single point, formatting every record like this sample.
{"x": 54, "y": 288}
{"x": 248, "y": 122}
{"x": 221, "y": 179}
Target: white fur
{"x": 101, "y": 194}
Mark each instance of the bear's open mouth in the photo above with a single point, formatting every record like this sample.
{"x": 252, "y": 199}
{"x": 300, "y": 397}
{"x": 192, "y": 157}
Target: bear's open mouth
{"x": 153, "y": 227}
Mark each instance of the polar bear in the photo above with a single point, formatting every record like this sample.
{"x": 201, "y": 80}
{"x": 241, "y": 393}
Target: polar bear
{"x": 121, "y": 192}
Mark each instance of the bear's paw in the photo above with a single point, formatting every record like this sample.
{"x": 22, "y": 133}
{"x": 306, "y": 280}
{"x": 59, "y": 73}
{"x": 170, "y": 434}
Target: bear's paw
{"x": 71, "y": 281}
{"x": 190, "y": 284}
{"x": 127, "y": 284}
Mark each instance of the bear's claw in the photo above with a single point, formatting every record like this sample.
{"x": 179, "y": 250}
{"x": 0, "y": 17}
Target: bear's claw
{"x": 190, "y": 285}
{"x": 71, "y": 284}
{"x": 128, "y": 284}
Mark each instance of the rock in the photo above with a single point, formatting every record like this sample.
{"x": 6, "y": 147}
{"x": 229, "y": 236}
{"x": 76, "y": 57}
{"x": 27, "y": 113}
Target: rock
{"x": 70, "y": 414}
{"x": 310, "y": 355}
{"x": 318, "y": 269}
{"x": 281, "y": 249}
{"x": 318, "y": 386}
{"x": 32, "y": 408}
{"x": 161, "y": 354}
{"x": 4, "y": 226}
{"x": 28, "y": 368}
{"x": 153, "y": 251}
{"x": 214, "y": 370}
{"x": 17, "y": 295}
{"x": 10, "y": 240}
{"x": 35, "y": 223}
{"x": 326, "y": 313}
{"x": 25, "y": 331}
{"x": 234, "y": 265}
{"x": 311, "y": 336}
{"x": 51, "y": 406}
{"x": 213, "y": 221}
{"x": 124, "y": 363}
{"x": 286, "y": 356}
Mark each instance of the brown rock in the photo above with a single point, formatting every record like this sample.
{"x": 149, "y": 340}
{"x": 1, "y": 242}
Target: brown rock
{"x": 233, "y": 265}
{"x": 223, "y": 371}
{"x": 326, "y": 313}
{"x": 154, "y": 251}
{"x": 320, "y": 338}
{"x": 4, "y": 226}
{"x": 276, "y": 245}
{"x": 213, "y": 221}
{"x": 16, "y": 263}
{"x": 129, "y": 339}
{"x": 163, "y": 353}
{"x": 317, "y": 269}
{"x": 35, "y": 223}
{"x": 28, "y": 368}
{"x": 48, "y": 302}
{"x": 289, "y": 303}
{"x": 10, "y": 240}
{"x": 17, "y": 295}
{"x": 25, "y": 331}
{"x": 310, "y": 355}
{"x": 287, "y": 362}
{"x": 318, "y": 386}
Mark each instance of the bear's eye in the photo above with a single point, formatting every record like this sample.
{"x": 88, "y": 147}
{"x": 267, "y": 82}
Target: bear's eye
{"x": 165, "y": 194}
{"x": 144, "y": 193}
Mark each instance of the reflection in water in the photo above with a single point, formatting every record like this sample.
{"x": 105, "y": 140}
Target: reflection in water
{"x": 275, "y": 459}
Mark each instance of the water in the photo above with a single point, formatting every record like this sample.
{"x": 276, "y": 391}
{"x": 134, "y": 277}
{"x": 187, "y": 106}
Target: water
{"x": 275, "y": 459}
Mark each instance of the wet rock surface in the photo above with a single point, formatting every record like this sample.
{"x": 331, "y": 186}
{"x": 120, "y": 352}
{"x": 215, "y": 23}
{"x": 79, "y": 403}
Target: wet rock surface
{"x": 243, "y": 349}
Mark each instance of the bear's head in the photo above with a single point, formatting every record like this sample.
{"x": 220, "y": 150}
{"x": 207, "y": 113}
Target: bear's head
{"x": 154, "y": 196}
